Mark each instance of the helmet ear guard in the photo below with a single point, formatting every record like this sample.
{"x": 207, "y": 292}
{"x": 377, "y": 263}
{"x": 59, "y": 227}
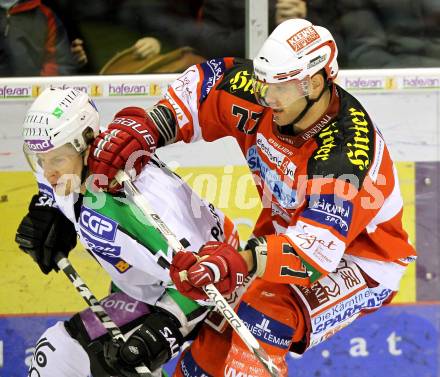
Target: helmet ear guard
{"x": 318, "y": 58}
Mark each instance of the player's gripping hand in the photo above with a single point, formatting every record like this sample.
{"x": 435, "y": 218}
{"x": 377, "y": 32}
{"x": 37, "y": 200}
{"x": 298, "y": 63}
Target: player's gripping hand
{"x": 44, "y": 232}
{"x": 216, "y": 263}
{"x": 153, "y": 344}
{"x": 127, "y": 144}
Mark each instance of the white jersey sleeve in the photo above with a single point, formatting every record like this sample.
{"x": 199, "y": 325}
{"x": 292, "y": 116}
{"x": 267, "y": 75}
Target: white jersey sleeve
{"x": 126, "y": 245}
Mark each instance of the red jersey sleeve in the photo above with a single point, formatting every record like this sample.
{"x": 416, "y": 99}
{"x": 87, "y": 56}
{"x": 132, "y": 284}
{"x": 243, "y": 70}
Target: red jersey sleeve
{"x": 214, "y": 99}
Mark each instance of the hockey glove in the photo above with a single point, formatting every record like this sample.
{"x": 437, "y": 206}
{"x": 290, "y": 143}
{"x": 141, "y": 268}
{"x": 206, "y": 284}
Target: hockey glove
{"x": 154, "y": 343}
{"x": 216, "y": 263}
{"x": 44, "y": 232}
{"x": 258, "y": 247}
{"x": 127, "y": 144}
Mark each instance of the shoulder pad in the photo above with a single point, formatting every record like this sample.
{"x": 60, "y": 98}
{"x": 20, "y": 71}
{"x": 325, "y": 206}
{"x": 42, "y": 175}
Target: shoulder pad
{"x": 238, "y": 80}
{"x": 346, "y": 146}
{"x": 213, "y": 70}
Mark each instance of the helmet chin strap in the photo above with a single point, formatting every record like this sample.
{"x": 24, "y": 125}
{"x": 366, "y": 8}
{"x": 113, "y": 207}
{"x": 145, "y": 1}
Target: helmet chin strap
{"x": 84, "y": 173}
{"x": 289, "y": 129}
{"x": 85, "y": 169}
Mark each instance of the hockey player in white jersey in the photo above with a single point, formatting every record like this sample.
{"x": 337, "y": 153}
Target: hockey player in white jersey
{"x": 58, "y": 129}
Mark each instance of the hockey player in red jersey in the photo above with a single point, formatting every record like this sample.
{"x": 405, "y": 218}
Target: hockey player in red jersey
{"x": 329, "y": 245}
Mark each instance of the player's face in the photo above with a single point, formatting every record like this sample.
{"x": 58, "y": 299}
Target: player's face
{"x": 286, "y": 115}
{"x": 62, "y": 167}
{"x": 286, "y": 99}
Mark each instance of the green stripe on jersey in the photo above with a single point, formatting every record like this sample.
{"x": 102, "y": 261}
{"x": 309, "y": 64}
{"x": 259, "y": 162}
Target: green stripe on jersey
{"x": 130, "y": 220}
{"x": 185, "y": 304}
{"x": 314, "y": 274}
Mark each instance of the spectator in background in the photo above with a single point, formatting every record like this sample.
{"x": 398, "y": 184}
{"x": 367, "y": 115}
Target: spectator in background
{"x": 222, "y": 32}
{"x": 66, "y": 12}
{"x": 33, "y": 42}
{"x": 392, "y": 33}
{"x": 165, "y": 21}
{"x": 286, "y": 9}
{"x": 216, "y": 28}
{"x": 326, "y": 13}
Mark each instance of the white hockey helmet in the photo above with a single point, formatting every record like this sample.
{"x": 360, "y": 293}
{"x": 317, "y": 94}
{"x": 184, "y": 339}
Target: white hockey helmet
{"x": 293, "y": 53}
{"x": 58, "y": 117}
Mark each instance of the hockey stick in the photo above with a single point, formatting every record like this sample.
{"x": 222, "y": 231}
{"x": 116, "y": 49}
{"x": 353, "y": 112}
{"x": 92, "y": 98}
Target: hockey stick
{"x": 210, "y": 290}
{"x": 64, "y": 264}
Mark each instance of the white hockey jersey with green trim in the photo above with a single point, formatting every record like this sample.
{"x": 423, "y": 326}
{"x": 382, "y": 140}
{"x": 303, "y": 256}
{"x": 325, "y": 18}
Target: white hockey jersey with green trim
{"x": 123, "y": 241}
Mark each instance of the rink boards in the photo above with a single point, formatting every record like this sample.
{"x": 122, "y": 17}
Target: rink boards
{"x": 395, "y": 341}
{"x": 398, "y": 340}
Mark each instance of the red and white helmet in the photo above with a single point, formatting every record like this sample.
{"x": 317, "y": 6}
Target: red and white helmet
{"x": 295, "y": 50}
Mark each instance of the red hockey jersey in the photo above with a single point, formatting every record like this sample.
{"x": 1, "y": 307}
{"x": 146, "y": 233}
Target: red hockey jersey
{"x": 329, "y": 191}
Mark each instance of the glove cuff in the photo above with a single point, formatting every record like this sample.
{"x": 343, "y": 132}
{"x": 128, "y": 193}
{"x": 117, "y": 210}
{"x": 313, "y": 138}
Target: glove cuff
{"x": 258, "y": 246}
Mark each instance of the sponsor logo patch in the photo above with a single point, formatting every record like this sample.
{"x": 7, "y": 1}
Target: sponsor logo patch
{"x": 38, "y": 119}
{"x": 285, "y": 195}
{"x": 212, "y": 69}
{"x": 57, "y": 112}
{"x": 278, "y": 211}
{"x": 110, "y": 253}
{"x": 314, "y": 62}
{"x": 95, "y": 229}
{"x": 242, "y": 81}
{"x": 39, "y": 145}
{"x": 326, "y": 142}
{"x": 360, "y": 145}
{"x": 98, "y": 225}
{"x": 303, "y": 38}
{"x": 330, "y": 210}
{"x": 183, "y": 86}
{"x": 190, "y": 368}
{"x": 103, "y": 249}
{"x": 338, "y": 299}
{"x": 67, "y": 101}
{"x": 319, "y": 244}
{"x": 265, "y": 328}
{"x": 281, "y": 161}
{"x": 332, "y": 287}
{"x": 46, "y": 197}
{"x": 369, "y": 298}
